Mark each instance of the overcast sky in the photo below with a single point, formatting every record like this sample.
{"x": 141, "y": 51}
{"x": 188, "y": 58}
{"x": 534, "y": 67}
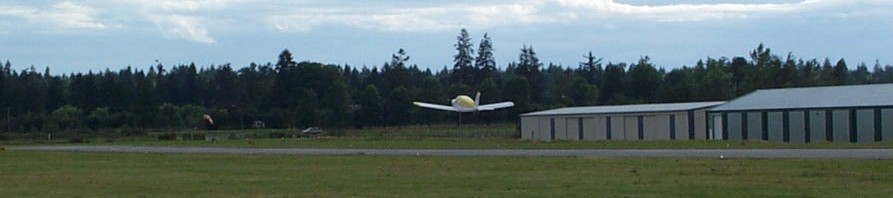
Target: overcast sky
{"x": 77, "y": 36}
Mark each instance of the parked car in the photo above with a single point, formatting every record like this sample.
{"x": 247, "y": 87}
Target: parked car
{"x": 311, "y": 131}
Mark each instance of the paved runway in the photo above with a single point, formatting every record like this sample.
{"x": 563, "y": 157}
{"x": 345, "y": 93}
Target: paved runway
{"x": 711, "y": 153}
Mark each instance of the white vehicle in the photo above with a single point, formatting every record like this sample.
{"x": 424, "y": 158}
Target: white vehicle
{"x": 311, "y": 131}
{"x": 463, "y": 103}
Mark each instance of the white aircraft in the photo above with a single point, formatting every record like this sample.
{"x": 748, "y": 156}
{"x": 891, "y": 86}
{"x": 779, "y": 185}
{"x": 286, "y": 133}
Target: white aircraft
{"x": 463, "y": 103}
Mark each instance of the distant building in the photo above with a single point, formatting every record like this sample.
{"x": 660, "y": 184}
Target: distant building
{"x": 672, "y": 121}
{"x": 857, "y": 113}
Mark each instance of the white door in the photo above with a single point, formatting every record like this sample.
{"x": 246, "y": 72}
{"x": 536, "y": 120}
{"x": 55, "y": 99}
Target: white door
{"x": 717, "y": 128}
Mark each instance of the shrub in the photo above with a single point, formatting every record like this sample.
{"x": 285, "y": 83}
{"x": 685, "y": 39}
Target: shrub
{"x": 276, "y": 135}
{"x": 78, "y": 140}
{"x": 167, "y": 136}
{"x": 199, "y": 136}
{"x": 336, "y": 133}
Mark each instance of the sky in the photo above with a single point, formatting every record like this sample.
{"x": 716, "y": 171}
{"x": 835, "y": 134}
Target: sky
{"x": 95, "y": 35}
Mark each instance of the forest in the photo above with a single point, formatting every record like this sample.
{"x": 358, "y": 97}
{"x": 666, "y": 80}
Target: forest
{"x": 290, "y": 94}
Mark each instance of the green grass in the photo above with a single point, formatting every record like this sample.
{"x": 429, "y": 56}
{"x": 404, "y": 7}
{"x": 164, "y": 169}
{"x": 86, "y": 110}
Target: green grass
{"x": 497, "y": 136}
{"x": 62, "y": 174}
{"x": 477, "y": 143}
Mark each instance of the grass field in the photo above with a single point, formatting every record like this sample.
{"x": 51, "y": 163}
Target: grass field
{"x": 62, "y": 174}
{"x": 427, "y": 137}
{"x": 456, "y": 143}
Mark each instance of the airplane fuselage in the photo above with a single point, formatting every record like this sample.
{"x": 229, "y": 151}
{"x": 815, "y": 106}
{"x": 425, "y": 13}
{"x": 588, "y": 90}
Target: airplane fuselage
{"x": 463, "y": 103}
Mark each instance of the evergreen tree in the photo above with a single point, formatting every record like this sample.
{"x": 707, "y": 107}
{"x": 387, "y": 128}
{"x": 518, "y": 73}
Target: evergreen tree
{"x": 644, "y": 80}
{"x": 787, "y": 74}
{"x": 529, "y": 67}
{"x": 395, "y": 73}
{"x": 431, "y": 91}
{"x": 370, "y": 107}
{"x": 463, "y": 71}
{"x": 485, "y": 63}
{"x": 286, "y": 81}
{"x": 285, "y": 61}
{"x": 717, "y": 83}
{"x": 613, "y": 82}
{"x": 808, "y": 73}
{"x": 399, "y": 105}
{"x": 861, "y": 75}
{"x": 591, "y": 70}
{"x": 518, "y": 89}
{"x": 306, "y": 113}
{"x": 677, "y": 86}
{"x": 841, "y": 73}
{"x": 827, "y": 76}
{"x": 224, "y": 90}
{"x": 336, "y": 103}
{"x": 882, "y": 74}
{"x": 145, "y": 99}
{"x": 490, "y": 93}
{"x": 761, "y": 58}
{"x": 739, "y": 69}
{"x": 459, "y": 89}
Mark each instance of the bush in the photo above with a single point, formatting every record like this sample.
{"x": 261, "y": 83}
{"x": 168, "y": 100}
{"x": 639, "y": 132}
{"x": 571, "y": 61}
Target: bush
{"x": 336, "y": 133}
{"x": 167, "y": 136}
{"x": 78, "y": 140}
{"x": 199, "y": 136}
{"x": 276, "y": 135}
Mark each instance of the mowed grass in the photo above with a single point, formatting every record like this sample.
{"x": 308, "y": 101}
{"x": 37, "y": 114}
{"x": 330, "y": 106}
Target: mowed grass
{"x": 495, "y": 136}
{"x": 63, "y": 174}
{"x": 495, "y": 143}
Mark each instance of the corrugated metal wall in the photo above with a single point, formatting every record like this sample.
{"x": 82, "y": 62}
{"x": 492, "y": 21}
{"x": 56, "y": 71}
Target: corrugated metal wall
{"x": 653, "y": 126}
{"x": 816, "y": 125}
{"x": 865, "y": 125}
{"x": 754, "y": 126}
{"x": 700, "y": 124}
{"x": 840, "y": 126}
{"x": 887, "y": 125}
{"x": 797, "y": 126}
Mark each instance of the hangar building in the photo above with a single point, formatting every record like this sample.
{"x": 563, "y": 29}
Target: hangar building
{"x": 670, "y": 121}
{"x": 856, "y": 113}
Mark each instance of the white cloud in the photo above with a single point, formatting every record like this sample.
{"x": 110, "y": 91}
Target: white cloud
{"x": 181, "y": 19}
{"x": 198, "y": 20}
{"x": 185, "y": 27}
{"x": 497, "y": 15}
{"x": 444, "y": 16}
{"x": 70, "y": 15}
{"x": 16, "y": 11}
{"x": 184, "y": 5}
{"x": 687, "y": 12}
{"x": 64, "y": 15}
{"x": 418, "y": 19}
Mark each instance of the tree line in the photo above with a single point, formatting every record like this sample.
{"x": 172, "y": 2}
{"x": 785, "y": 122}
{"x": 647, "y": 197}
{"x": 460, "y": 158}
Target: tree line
{"x": 288, "y": 94}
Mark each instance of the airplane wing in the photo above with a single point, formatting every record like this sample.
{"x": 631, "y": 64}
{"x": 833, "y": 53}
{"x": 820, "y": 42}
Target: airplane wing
{"x": 435, "y": 106}
{"x": 495, "y": 106}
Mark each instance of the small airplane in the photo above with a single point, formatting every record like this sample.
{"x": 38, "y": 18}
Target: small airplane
{"x": 463, "y": 103}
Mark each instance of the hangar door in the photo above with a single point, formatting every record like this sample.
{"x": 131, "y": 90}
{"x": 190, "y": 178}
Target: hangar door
{"x": 579, "y": 128}
{"x": 632, "y": 126}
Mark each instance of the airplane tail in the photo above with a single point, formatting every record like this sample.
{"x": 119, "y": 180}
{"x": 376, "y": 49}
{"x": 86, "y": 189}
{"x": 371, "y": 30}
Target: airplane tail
{"x": 477, "y": 99}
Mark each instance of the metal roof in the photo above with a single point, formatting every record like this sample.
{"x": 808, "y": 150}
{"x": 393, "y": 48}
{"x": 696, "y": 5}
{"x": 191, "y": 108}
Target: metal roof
{"x": 813, "y": 97}
{"x": 641, "y": 108}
